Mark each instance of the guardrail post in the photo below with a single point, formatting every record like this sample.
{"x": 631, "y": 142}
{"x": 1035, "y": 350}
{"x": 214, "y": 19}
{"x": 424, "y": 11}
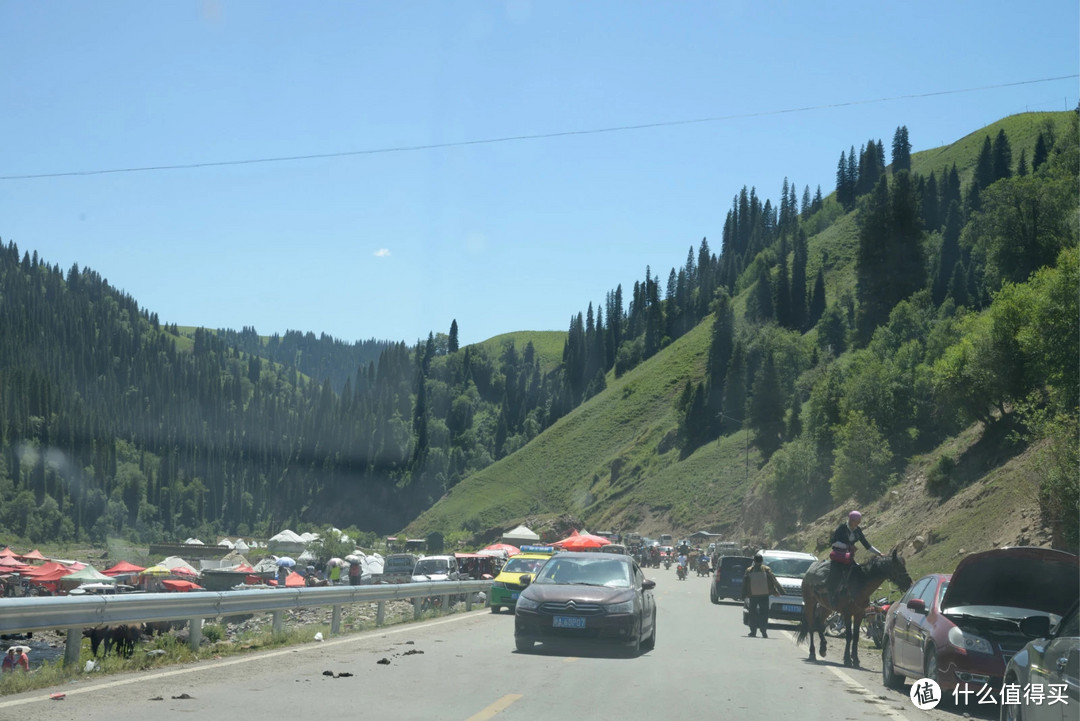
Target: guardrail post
{"x": 380, "y": 613}
{"x": 444, "y": 607}
{"x": 73, "y": 646}
{"x": 468, "y": 600}
{"x": 278, "y": 626}
{"x": 194, "y": 633}
{"x": 417, "y": 602}
{"x": 335, "y": 620}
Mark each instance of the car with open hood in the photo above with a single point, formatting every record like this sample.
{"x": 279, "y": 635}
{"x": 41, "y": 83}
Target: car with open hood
{"x": 963, "y": 628}
{"x": 587, "y": 597}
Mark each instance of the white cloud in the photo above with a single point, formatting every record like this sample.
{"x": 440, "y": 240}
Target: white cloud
{"x": 382, "y": 253}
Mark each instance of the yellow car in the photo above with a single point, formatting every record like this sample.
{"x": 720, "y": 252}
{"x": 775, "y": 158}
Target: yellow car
{"x": 507, "y": 585}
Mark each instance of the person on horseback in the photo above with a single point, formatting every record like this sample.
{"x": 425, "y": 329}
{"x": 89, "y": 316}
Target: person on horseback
{"x": 842, "y": 558}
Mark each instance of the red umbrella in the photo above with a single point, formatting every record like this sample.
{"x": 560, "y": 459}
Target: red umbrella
{"x": 510, "y": 550}
{"x": 581, "y": 541}
{"x": 182, "y": 586}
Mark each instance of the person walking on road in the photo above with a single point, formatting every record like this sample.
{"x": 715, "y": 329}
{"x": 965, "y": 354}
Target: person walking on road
{"x": 758, "y": 583}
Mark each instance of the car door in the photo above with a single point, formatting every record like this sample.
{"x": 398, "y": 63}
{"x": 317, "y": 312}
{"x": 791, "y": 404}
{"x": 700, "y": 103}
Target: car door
{"x": 921, "y": 626}
{"x": 902, "y": 652}
{"x": 645, "y": 602}
{"x": 1060, "y": 667}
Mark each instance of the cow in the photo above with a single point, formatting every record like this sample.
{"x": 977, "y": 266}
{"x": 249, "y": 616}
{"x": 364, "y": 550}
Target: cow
{"x": 124, "y": 637}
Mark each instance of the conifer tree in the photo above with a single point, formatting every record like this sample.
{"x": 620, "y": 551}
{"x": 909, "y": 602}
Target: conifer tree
{"x": 1021, "y": 165}
{"x": 930, "y": 196}
{"x": 782, "y": 292}
{"x": 817, "y": 300}
{"x": 1002, "y": 153}
{"x": 798, "y": 282}
{"x": 767, "y": 409}
{"x": 950, "y": 254}
{"x": 807, "y": 207}
{"x": 818, "y": 202}
{"x": 735, "y": 390}
{"x": 452, "y": 343}
{"x": 1042, "y": 152}
{"x": 984, "y": 166}
{"x": 760, "y": 304}
{"x": 901, "y": 150}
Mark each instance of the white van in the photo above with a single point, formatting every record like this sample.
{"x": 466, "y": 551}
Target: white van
{"x": 789, "y": 567}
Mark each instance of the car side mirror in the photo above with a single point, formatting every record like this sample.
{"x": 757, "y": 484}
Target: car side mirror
{"x": 917, "y": 605}
{"x": 648, "y": 584}
{"x": 1035, "y": 627}
{"x": 524, "y": 579}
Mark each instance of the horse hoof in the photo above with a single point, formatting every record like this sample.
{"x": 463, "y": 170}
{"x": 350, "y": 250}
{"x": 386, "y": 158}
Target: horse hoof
{"x": 813, "y": 657}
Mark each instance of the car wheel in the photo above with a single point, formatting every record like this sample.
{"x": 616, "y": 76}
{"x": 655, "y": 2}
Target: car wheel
{"x": 889, "y": 677}
{"x": 634, "y": 649}
{"x": 650, "y": 644}
{"x": 1011, "y": 711}
{"x": 523, "y": 645}
{"x": 496, "y": 609}
{"x": 930, "y": 664}
{"x": 712, "y": 595}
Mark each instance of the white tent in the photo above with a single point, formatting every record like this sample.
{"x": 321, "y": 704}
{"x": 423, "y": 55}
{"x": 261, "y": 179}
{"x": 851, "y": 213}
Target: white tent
{"x": 175, "y": 562}
{"x": 225, "y": 542}
{"x": 193, "y": 542}
{"x": 240, "y": 546}
{"x": 520, "y": 535}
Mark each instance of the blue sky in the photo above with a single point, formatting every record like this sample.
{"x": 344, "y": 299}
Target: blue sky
{"x": 502, "y": 237}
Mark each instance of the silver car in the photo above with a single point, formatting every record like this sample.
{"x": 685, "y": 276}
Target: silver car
{"x": 1048, "y": 668}
{"x": 789, "y": 567}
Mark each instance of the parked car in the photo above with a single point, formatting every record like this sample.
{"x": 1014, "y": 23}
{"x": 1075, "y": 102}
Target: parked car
{"x": 728, "y": 578}
{"x": 397, "y": 568}
{"x": 436, "y": 568}
{"x": 579, "y": 597}
{"x": 789, "y": 567}
{"x": 1052, "y": 659}
{"x": 965, "y": 627}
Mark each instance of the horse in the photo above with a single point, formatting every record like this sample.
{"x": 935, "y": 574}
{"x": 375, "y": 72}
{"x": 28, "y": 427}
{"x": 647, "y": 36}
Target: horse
{"x": 852, "y": 604}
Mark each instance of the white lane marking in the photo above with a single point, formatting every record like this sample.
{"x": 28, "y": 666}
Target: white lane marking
{"x": 881, "y": 704}
{"x": 205, "y": 666}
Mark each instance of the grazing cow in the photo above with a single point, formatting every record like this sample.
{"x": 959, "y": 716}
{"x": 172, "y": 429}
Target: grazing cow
{"x": 124, "y": 637}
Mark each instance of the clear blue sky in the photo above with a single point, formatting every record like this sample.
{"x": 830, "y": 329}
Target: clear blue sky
{"x": 502, "y": 237}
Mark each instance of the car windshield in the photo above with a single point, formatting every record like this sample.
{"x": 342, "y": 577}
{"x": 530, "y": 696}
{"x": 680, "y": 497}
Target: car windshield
{"x": 522, "y": 565}
{"x": 791, "y": 567}
{"x": 430, "y": 566}
{"x": 586, "y": 571}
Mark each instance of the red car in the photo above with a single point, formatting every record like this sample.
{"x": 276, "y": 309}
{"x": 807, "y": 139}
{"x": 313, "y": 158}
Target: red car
{"x": 964, "y": 627}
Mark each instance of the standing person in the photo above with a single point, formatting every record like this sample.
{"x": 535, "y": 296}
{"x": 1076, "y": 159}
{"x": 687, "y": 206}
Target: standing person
{"x": 282, "y": 574}
{"x": 354, "y": 573}
{"x": 16, "y": 658}
{"x": 335, "y": 574}
{"x": 842, "y": 557}
{"x": 758, "y": 583}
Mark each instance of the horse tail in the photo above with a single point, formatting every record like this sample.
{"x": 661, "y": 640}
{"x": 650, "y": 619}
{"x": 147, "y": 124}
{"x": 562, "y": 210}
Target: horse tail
{"x": 804, "y": 631}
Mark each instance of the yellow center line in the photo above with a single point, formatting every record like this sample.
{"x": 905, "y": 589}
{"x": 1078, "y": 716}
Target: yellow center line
{"x": 500, "y": 705}
{"x": 570, "y": 659}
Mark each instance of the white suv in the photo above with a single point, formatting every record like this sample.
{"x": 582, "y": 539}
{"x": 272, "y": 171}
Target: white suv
{"x": 789, "y": 567}
{"x": 436, "y": 568}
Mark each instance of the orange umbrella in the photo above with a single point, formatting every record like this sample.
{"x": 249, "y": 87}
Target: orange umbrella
{"x": 510, "y": 550}
{"x": 581, "y": 541}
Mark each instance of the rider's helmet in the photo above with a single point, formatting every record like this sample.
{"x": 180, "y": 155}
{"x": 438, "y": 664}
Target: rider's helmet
{"x": 854, "y": 516}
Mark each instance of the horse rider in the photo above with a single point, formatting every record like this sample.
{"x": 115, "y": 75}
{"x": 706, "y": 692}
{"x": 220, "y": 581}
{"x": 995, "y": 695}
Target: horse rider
{"x": 842, "y": 558}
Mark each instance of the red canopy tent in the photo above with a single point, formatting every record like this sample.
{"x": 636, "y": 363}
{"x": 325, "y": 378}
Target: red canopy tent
{"x": 34, "y": 555}
{"x": 122, "y": 568}
{"x": 510, "y": 550}
{"x": 581, "y": 542}
{"x": 173, "y": 584}
{"x": 51, "y": 571}
{"x": 8, "y": 553}
{"x": 294, "y": 580}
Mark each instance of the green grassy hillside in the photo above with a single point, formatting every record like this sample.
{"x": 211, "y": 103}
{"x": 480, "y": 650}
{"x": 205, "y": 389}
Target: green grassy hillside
{"x": 612, "y": 463}
{"x": 548, "y": 345}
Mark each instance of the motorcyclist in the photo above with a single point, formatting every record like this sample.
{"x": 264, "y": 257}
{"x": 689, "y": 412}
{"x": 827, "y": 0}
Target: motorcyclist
{"x": 842, "y": 558}
{"x": 681, "y": 561}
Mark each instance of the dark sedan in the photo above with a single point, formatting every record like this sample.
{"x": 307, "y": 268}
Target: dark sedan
{"x": 964, "y": 628}
{"x": 580, "y": 597}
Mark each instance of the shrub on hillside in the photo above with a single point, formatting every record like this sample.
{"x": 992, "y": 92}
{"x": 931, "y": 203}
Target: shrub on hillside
{"x": 939, "y": 479}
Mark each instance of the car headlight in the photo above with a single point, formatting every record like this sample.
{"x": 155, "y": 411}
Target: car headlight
{"x": 967, "y": 641}
{"x": 524, "y": 603}
{"x": 498, "y": 584}
{"x": 624, "y": 607}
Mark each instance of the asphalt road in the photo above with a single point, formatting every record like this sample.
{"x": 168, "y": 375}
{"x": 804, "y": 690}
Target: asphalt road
{"x": 464, "y": 668}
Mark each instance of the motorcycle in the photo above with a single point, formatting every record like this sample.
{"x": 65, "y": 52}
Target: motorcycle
{"x": 834, "y": 625}
{"x": 703, "y": 568}
{"x": 667, "y": 563}
{"x": 874, "y": 620}
{"x": 680, "y": 571}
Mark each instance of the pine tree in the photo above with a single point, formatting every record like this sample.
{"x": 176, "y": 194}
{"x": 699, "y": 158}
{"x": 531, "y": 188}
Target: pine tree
{"x": 452, "y": 343}
{"x": 798, "y": 309}
{"x": 950, "y": 254}
{"x": 782, "y": 292}
{"x": 735, "y": 390}
{"x": 817, "y": 300}
{"x": 721, "y": 342}
{"x": 807, "y": 206}
{"x": 984, "y": 166}
{"x": 818, "y": 202}
{"x": 930, "y": 196}
{"x": 760, "y": 304}
{"x": 1002, "y": 153}
{"x": 1021, "y": 165}
{"x": 1042, "y": 152}
{"x": 901, "y": 150}
{"x": 767, "y": 409}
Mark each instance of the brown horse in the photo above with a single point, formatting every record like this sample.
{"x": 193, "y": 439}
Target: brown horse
{"x": 852, "y": 604}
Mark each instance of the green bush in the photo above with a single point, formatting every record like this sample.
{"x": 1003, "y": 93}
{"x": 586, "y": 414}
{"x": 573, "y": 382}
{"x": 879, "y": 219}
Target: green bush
{"x": 213, "y": 633}
{"x": 940, "y": 478}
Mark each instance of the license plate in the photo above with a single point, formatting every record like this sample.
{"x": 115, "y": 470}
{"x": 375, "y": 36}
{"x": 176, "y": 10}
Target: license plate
{"x": 568, "y": 622}
{"x": 788, "y": 608}
{"x": 514, "y": 595}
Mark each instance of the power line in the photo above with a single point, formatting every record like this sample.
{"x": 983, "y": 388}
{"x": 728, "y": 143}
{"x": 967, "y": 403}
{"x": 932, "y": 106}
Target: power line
{"x": 515, "y": 138}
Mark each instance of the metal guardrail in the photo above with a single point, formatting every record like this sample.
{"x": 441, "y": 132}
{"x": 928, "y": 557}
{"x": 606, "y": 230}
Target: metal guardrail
{"x": 20, "y": 615}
